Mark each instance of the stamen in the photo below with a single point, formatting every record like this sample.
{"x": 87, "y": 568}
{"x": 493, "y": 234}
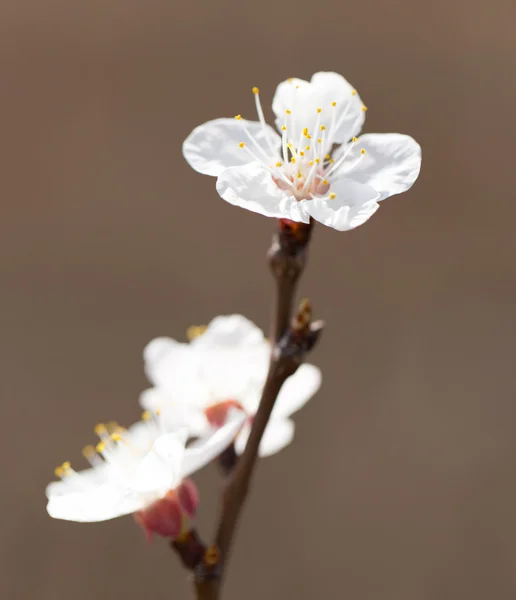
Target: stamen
{"x": 241, "y": 145}
{"x": 364, "y": 109}
{"x": 334, "y": 104}
{"x": 100, "y": 429}
{"x": 279, "y": 164}
{"x": 354, "y": 93}
{"x": 238, "y": 117}
{"x": 261, "y": 118}
{"x": 146, "y": 415}
{"x": 332, "y": 196}
{"x": 288, "y": 111}
{"x": 342, "y": 158}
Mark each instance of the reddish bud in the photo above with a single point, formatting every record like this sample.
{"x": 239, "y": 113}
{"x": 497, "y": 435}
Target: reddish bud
{"x": 217, "y": 413}
{"x": 163, "y": 517}
{"x": 188, "y": 497}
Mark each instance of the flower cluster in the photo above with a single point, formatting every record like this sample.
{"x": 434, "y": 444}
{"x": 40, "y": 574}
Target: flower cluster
{"x": 206, "y": 391}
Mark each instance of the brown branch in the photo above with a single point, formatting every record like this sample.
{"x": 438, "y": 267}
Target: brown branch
{"x": 287, "y": 257}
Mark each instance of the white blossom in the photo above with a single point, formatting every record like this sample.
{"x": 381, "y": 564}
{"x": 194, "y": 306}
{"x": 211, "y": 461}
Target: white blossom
{"x": 221, "y": 369}
{"x": 317, "y": 167}
{"x": 132, "y": 470}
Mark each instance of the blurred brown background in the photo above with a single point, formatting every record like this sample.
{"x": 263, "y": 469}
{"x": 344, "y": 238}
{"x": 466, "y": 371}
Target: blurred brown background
{"x": 401, "y": 483}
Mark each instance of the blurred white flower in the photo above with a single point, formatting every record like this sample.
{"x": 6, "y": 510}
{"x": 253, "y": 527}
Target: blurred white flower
{"x": 300, "y": 174}
{"x": 140, "y": 470}
{"x": 223, "y": 368}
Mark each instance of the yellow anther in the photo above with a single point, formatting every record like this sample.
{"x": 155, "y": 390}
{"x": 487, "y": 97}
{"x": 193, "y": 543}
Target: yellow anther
{"x": 283, "y": 128}
{"x": 354, "y": 139}
{"x": 88, "y": 451}
{"x": 354, "y": 93}
{"x": 66, "y": 465}
{"x": 298, "y": 175}
{"x": 319, "y": 110}
{"x": 297, "y": 87}
{"x": 331, "y": 161}
{"x": 158, "y": 411}
{"x": 290, "y": 80}
{"x": 327, "y": 157}
{"x": 288, "y": 111}
{"x": 59, "y": 472}
{"x": 238, "y": 117}
{"x": 256, "y": 90}
{"x": 301, "y": 153}
{"x": 116, "y": 437}
{"x": 334, "y": 104}
{"x": 99, "y": 429}
{"x": 311, "y": 163}
{"x": 305, "y": 131}
{"x": 241, "y": 145}
{"x": 292, "y": 160}
{"x": 319, "y": 140}
{"x": 362, "y": 151}
{"x": 323, "y": 127}
{"x": 290, "y": 145}
{"x": 278, "y": 164}
{"x": 307, "y": 147}
{"x": 317, "y": 161}
{"x": 325, "y": 182}
{"x": 112, "y": 426}
{"x": 146, "y": 415}
{"x": 194, "y": 331}
{"x": 364, "y": 108}
{"x": 100, "y": 447}
{"x": 332, "y": 196}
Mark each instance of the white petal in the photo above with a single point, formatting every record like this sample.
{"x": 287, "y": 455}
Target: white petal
{"x": 95, "y": 476}
{"x": 173, "y": 414}
{"x": 214, "y": 146}
{"x": 297, "y": 390}
{"x": 230, "y": 331}
{"x": 160, "y": 469}
{"x": 353, "y": 205}
{"x": 99, "y": 503}
{"x": 252, "y": 187}
{"x": 303, "y": 98}
{"x": 391, "y": 163}
{"x": 209, "y": 448}
{"x": 278, "y": 434}
{"x": 175, "y": 367}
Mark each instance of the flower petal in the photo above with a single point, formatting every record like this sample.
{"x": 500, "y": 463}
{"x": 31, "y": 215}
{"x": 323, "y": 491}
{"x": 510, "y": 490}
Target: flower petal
{"x": 98, "y": 503}
{"x": 303, "y": 98}
{"x": 354, "y": 204}
{"x": 232, "y": 331}
{"x": 214, "y": 146}
{"x": 204, "y": 451}
{"x": 251, "y": 186}
{"x": 173, "y": 414}
{"x": 160, "y": 470}
{"x": 277, "y": 435}
{"x": 297, "y": 390}
{"x": 391, "y": 164}
{"x": 175, "y": 368}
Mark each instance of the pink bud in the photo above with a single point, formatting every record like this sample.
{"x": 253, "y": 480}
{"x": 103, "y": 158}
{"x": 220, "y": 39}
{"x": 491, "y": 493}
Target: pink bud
{"x": 163, "y": 517}
{"x": 188, "y": 497}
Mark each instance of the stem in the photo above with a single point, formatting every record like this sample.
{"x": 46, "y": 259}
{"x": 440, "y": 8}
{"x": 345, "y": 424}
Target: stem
{"x": 287, "y": 259}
